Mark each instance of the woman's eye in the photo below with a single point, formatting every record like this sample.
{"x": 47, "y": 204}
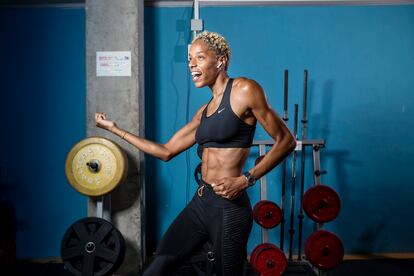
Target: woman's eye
{"x": 200, "y": 57}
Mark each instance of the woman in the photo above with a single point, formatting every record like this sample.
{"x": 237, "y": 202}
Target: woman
{"x": 220, "y": 211}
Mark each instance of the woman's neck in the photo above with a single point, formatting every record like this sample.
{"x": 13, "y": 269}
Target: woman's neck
{"x": 219, "y": 85}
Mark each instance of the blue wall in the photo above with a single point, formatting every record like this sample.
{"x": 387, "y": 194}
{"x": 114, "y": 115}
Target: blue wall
{"x": 43, "y": 113}
{"x": 360, "y": 62}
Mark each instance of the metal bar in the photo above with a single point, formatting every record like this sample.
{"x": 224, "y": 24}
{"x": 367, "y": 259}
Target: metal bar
{"x": 299, "y": 143}
{"x": 302, "y": 163}
{"x": 263, "y": 186}
{"x": 316, "y": 165}
{"x": 99, "y": 207}
{"x": 285, "y": 96}
{"x": 206, "y": 3}
{"x": 283, "y": 199}
{"x": 317, "y": 172}
{"x": 196, "y": 14}
{"x": 107, "y": 207}
{"x": 103, "y": 207}
{"x": 292, "y": 197}
{"x": 263, "y": 193}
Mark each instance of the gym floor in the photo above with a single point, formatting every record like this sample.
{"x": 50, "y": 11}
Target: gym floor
{"x": 377, "y": 267}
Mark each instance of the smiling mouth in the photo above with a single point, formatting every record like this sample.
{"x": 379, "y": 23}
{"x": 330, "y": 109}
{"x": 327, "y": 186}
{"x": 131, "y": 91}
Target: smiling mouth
{"x": 196, "y": 76}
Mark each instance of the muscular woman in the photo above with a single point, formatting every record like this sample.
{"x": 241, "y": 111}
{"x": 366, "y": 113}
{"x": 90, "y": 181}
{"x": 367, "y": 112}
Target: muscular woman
{"x": 220, "y": 211}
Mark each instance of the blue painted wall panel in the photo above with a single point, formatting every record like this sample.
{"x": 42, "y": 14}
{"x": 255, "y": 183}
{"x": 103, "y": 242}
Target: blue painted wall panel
{"x": 43, "y": 111}
{"x": 361, "y": 102}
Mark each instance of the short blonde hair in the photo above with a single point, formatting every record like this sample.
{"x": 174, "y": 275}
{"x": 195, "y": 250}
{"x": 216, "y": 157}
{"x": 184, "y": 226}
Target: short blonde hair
{"x": 216, "y": 43}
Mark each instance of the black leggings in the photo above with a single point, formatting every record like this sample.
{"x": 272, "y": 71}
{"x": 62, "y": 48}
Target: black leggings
{"x": 226, "y": 224}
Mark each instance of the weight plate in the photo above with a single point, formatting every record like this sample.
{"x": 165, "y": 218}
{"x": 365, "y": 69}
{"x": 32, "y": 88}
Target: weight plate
{"x": 321, "y": 203}
{"x": 197, "y": 174}
{"x": 268, "y": 260}
{"x": 267, "y": 214}
{"x": 324, "y": 250}
{"x": 92, "y": 246}
{"x": 95, "y": 166}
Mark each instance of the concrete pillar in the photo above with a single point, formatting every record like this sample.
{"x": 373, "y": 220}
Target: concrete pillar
{"x": 118, "y": 26}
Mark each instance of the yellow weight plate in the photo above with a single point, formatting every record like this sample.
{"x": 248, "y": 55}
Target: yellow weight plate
{"x": 95, "y": 166}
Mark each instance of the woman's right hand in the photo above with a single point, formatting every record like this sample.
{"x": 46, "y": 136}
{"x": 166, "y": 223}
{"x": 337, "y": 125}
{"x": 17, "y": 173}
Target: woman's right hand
{"x": 102, "y": 122}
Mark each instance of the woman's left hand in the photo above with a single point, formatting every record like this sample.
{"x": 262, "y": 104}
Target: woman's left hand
{"x": 229, "y": 187}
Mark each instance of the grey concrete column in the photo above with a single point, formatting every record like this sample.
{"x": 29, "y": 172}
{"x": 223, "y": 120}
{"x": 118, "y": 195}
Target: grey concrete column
{"x": 118, "y": 26}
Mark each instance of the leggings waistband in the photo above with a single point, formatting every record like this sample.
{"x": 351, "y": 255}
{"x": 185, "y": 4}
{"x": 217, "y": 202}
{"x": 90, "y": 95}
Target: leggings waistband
{"x": 206, "y": 193}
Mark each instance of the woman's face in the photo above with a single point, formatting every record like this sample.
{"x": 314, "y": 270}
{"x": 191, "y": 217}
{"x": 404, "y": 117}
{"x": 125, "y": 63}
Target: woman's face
{"x": 203, "y": 64}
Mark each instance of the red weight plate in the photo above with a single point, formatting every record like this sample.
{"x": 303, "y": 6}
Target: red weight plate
{"x": 268, "y": 260}
{"x": 267, "y": 214}
{"x": 324, "y": 250}
{"x": 321, "y": 203}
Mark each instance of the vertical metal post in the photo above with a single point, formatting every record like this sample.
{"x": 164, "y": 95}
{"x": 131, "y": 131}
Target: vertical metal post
{"x": 103, "y": 207}
{"x": 316, "y": 165}
{"x": 263, "y": 193}
{"x": 302, "y": 167}
{"x": 196, "y": 15}
{"x": 283, "y": 199}
{"x": 292, "y": 197}
{"x": 317, "y": 172}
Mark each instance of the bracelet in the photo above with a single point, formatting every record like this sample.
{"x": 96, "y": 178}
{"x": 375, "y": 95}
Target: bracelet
{"x": 123, "y": 135}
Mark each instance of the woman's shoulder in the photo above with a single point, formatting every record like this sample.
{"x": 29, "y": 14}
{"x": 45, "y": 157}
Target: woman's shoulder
{"x": 199, "y": 112}
{"x": 245, "y": 86}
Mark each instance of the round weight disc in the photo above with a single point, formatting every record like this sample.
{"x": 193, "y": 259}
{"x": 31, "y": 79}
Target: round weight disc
{"x": 324, "y": 250}
{"x": 268, "y": 260}
{"x": 95, "y": 166}
{"x": 321, "y": 203}
{"x": 267, "y": 214}
{"x": 92, "y": 246}
{"x": 197, "y": 174}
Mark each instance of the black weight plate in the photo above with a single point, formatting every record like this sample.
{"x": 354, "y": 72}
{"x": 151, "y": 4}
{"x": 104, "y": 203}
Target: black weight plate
{"x": 91, "y": 247}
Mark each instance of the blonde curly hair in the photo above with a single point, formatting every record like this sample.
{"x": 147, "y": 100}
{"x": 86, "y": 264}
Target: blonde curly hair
{"x": 216, "y": 43}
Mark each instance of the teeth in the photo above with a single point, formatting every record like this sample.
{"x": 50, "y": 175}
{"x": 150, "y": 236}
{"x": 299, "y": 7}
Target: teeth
{"x": 195, "y": 73}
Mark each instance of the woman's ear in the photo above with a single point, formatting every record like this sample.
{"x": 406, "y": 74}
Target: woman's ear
{"x": 222, "y": 60}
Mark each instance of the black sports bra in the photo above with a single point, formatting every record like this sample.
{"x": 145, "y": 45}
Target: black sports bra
{"x": 223, "y": 128}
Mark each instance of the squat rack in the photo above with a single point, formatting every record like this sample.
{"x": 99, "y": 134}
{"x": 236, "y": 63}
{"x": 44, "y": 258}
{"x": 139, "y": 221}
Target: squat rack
{"x": 316, "y": 144}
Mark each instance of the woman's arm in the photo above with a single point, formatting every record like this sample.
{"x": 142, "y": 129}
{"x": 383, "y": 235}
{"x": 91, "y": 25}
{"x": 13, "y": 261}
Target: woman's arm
{"x": 180, "y": 141}
{"x": 250, "y": 96}
{"x": 284, "y": 143}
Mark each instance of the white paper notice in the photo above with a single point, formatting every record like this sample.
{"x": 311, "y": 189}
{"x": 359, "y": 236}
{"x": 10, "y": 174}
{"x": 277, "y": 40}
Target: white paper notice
{"x": 113, "y": 64}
